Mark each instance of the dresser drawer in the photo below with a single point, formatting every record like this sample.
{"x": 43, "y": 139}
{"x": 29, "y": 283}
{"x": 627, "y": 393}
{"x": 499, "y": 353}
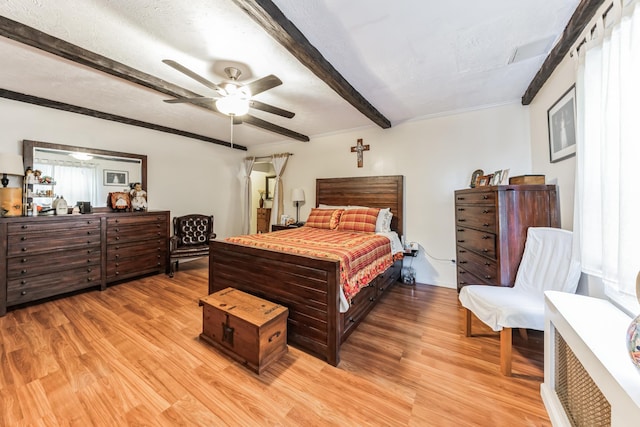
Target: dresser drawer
{"x": 32, "y": 265}
{"x": 467, "y": 278}
{"x": 137, "y": 219}
{"x": 120, "y": 251}
{"x": 52, "y": 226}
{"x": 46, "y": 285}
{"x": 476, "y": 241}
{"x": 134, "y": 233}
{"x": 480, "y": 217}
{"x": 142, "y": 264}
{"x": 49, "y": 242}
{"x": 485, "y": 268}
{"x": 475, "y": 197}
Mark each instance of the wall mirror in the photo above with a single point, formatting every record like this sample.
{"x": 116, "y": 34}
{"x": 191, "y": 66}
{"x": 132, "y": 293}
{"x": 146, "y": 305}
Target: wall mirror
{"x": 85, "y": 174}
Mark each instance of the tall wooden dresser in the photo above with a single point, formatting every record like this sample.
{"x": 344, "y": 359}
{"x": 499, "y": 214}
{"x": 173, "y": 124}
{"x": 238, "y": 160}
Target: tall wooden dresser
{"x": 263, "y": 219}
{"x": 491, "y": 229}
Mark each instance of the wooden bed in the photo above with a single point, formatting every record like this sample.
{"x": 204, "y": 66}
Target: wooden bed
{"x": 309, "y": 287}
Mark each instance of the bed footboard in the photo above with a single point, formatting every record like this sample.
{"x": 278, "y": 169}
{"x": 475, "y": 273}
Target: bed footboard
{"x": 307, "y": 286}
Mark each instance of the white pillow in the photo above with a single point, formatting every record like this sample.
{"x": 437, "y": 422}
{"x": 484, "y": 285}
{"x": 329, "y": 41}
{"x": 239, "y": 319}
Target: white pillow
{"x": 383, "y": 223}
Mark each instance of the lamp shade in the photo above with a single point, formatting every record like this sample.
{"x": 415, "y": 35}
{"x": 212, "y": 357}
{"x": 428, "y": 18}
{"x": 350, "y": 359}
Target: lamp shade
{"x": 11, "y": 164}
{"x": 297, "y": 195}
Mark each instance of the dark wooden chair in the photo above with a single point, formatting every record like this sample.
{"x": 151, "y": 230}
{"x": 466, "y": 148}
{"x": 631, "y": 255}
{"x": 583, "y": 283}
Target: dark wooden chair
{"x": 191, "y": 236}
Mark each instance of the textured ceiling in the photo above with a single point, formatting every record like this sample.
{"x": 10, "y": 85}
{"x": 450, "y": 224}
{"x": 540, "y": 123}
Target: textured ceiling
{"x": 410, "y": 59}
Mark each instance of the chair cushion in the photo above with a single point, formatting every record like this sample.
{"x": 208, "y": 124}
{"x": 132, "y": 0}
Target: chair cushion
{"x": 500, "y": 307}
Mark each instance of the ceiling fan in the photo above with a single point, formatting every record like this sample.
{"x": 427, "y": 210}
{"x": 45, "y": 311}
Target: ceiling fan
{"x": 234, "y": 99}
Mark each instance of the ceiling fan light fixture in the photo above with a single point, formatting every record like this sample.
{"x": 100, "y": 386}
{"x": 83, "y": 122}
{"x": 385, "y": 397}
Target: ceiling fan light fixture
{"x": 236, "y": 104}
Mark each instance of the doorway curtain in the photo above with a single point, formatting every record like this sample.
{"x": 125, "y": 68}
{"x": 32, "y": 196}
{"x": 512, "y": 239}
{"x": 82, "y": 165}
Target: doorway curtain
{"x": 279, "y": 162}
{"x": 246, "y": 196}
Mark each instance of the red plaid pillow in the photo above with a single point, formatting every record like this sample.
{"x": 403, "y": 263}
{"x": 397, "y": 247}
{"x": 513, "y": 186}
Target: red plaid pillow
{"x": 359, "y": 220}
{"x": 324, "y": 218}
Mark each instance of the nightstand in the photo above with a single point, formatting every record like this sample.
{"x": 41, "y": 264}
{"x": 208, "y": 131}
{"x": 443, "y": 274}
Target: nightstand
{"x": 277, "y": 227}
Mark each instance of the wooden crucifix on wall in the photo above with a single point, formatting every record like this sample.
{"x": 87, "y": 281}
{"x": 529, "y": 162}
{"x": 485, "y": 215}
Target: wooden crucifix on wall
{"x": 360, "y": 149}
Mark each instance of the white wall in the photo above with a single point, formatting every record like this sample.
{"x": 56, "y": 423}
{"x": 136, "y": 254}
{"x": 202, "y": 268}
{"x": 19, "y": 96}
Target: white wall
{"x": 436, "y": 156}
{"x": 563, "y": 172}
{"x": 184, "y": 175}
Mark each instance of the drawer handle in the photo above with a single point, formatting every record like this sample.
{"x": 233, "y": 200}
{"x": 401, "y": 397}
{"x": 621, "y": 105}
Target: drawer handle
{"x": 486, "y": 224}
{"x": 23, "y": 238}
{"x": 462, "y": 272}
{"x": 485, "y": 237}
{"x": 24, "y": 249}
{"x": 485, "y": 250}
{"x": 462, "y": 282}
{"x": 487, "y": 277}
{"x": 24, "y": 259}
{"x": 89, "y": 279}
{"x": 460, "y": 209}
{"x": 463, "y": 262}
{"x": 23, "y": 272}
{"x": 462, "y": 220}
{"x": 23, "y": 282}
{"x": 274, "y": 336}
{"x": 461, "y": 241}
{"x": 88, "y": 232}
{"x": 23, "y": 293}
{"x": 460, "y": 198}
{"x": 462, "y": 251}
{"x": 89, "y": 270}
{"x": 485, "y": 197}
{"x": 24, "y": 227}
{"x": 117, "y": 221}
{"x": 89, "y": 261}
{"x": 351, "y": 319}
{"x": 118, "y": 238}
{"x": 460, "y": 230}
{"x": 117, "y": 230}
{"x": 89, "y": 251}
{"x": 485, "y": 211}
{"x": 117, "y": 256}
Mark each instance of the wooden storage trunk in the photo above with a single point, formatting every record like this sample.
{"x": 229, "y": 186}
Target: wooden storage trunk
{"x": 249, "y": 329}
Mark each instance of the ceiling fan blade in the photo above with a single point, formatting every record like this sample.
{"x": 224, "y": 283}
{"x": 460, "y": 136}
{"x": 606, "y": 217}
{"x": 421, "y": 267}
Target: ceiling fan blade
{"x": 252, "y": 120}
{"x": 184, "y": 70}
{"x": 265, "y": 83}
{"x": 199, "y": 100}
{"x": 270, "y": 109}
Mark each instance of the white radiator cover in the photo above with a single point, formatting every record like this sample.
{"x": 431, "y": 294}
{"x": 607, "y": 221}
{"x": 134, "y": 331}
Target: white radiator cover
{"x": 594, "y": 332}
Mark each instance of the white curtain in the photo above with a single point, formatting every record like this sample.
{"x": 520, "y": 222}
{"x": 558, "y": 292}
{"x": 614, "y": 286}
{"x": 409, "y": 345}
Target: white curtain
{"x": 246, "y": 196}
{"x": 279, "y": 162}
{"x": 607, "y": 201}
{"x": 75, "y": 183}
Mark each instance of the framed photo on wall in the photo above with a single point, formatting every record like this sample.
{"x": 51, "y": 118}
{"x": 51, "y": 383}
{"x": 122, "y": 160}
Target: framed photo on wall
{"x": 561, "y": 118}
{"x": 116, "y": 178}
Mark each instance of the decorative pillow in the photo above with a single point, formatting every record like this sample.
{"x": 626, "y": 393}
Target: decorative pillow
{"x": 324, "y": 218}
{"x": 359, "y": 220}
{"x": 383, "y": 223}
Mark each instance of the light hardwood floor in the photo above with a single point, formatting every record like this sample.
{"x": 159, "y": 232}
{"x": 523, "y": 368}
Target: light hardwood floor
{"x": 130, "y": 355}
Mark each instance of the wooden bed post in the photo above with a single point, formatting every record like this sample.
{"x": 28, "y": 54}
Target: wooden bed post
{"x": 506, "y": 336}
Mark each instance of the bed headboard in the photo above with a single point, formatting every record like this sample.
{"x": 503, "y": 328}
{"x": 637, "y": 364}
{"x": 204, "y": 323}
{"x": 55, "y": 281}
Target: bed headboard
{"x": 372, "y": 191}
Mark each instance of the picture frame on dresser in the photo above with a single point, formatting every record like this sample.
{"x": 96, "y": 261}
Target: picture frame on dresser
{"x": 561, "y": 118}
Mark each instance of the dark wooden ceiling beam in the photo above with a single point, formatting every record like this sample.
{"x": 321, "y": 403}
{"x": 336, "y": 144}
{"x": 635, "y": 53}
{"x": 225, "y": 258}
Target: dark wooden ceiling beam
{"x": 267, "y": 15}
{"x": 578, "y": 22}
{"x": 48, "y": 103}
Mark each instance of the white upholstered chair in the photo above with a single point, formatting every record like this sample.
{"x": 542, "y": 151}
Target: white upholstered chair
{"x": 546, "y": 265}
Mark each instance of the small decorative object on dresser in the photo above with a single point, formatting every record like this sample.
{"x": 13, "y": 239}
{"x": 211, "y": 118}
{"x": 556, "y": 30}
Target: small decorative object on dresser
{"x": 475, "y": 177}
{"x": 138, "y": 197}
{"x": 119, "y": 201}
{"x": 527, "y": 179}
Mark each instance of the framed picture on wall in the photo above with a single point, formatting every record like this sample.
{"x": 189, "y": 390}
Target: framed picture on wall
{"x": 270, "y": 182}
{"x": 562, "y": 126}
{"x": 116, "y": 178}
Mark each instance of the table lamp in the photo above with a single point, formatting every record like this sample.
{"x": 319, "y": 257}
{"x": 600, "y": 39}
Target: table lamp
{"x": 297, "y": 195}
{"x": 10, "y": 198}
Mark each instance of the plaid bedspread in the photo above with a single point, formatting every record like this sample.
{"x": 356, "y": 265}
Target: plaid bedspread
{"x": 362, "y": 256}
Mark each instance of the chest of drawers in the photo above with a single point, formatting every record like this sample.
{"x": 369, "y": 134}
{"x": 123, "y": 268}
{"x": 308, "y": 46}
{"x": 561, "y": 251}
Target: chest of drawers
{"x": 491, "y": 228}
{"x": 263, "y": 220}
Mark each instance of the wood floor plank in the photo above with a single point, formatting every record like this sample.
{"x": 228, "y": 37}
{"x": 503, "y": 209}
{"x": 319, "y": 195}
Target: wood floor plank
{"x": 131, "y": 355}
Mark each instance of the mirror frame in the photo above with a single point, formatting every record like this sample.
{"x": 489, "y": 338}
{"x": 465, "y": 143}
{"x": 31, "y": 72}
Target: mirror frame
{"x": 27, "y": 156}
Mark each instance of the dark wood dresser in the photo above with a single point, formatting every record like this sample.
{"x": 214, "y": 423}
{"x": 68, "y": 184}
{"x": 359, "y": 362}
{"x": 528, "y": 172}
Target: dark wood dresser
{"x": 263, "y": 220}
{"x": 491, "y": 229}
{"x": 47, "y": 256}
